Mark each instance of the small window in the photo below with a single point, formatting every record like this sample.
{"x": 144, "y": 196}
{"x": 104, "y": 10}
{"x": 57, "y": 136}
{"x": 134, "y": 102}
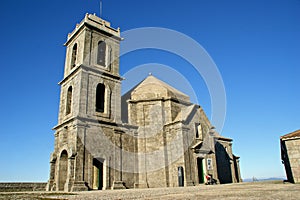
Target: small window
{"x": 209, "y": 164}
{"x": 198, "y": 130}
{"x": 69, "y": 100}
{"x": 101, "y": 54}
{"x": 74, "y": 56}
{"x": 100, "y": 98}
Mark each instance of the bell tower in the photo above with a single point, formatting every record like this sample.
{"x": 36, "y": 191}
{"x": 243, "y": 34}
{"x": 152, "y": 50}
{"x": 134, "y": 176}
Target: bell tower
{"x": 91, "y": 69}
{"x": 89, "y": 98}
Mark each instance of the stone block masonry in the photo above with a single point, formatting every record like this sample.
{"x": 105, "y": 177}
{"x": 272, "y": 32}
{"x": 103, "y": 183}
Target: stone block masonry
{"x": 22, "y": 187}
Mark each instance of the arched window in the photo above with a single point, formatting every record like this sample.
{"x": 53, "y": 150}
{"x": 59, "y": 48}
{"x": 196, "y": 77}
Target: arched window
{"x": 74, "y": 55}
{"x": 100, "y": 98}
{"x": 101, "y": 53}
{"x": 69, "y": 100}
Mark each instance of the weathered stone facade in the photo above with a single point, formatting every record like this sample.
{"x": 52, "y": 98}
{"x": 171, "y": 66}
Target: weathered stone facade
{"x": 290, "y": 155}
{"x": 162, "y": 140}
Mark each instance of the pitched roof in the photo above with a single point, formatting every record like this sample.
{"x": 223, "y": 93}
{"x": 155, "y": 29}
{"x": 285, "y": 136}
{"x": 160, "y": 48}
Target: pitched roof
{"x": 152, "y": 87}
{"x": 293, "y": 135}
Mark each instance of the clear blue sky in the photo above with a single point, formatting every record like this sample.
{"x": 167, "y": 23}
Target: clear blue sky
{"x": 254, "y": 43}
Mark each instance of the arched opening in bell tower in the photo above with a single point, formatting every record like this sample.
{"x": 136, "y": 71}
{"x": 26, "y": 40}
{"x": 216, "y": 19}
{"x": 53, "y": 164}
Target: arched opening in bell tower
{"x": 100, "y": 97}
{"x": 74, "y": 56}
{"x": 101, "y": 54}
{"x": 69, "y": 100}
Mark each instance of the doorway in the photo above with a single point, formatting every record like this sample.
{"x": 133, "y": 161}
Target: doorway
{"x": 63, "y": 170}
{"x": 98, "y": 174}
{"x": 200, "y": 170}
{"x": 180, "y": 177}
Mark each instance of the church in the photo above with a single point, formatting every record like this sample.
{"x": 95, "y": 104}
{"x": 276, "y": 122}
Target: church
{"x": 152, "y": 136}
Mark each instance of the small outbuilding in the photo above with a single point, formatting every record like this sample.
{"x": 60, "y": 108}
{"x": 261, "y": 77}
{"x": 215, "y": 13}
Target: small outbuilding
{"x": 290, "y": 155}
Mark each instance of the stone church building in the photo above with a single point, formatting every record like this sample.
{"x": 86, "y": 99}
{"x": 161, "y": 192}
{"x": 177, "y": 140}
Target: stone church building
{"x": 155, "y": 138}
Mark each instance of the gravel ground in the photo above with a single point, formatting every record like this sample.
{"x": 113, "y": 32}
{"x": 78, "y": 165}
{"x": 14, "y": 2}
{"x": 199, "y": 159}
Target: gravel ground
{"x": 260, "y": 190}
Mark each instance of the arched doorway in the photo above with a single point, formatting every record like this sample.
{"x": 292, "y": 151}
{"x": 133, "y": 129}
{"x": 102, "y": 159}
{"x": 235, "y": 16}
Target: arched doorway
{"x": 63, "y": 170}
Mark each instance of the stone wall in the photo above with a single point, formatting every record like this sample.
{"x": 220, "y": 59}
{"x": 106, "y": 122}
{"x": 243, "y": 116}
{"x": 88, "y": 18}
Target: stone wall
{"x": 21, "y": 187}
{"x": 293, "y": 149}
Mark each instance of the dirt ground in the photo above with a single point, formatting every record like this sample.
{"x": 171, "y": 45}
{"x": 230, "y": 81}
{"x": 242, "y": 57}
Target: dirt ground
{"x": 257, "y": 190}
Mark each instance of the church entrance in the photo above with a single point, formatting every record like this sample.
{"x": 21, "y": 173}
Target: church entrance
{"x": 200, "y": 170}
{"x": 98, "y": 174}
{"x": 63, "y": 170}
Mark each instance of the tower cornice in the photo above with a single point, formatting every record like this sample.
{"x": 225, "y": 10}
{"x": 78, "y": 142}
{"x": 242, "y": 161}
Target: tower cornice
{"x": 96, "y": 23}
{"x": 93, "y": 69}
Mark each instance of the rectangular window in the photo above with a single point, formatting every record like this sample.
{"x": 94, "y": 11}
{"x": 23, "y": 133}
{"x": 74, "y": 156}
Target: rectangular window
{"x": 209, "y": 164}
{"x": 198, "y": 128}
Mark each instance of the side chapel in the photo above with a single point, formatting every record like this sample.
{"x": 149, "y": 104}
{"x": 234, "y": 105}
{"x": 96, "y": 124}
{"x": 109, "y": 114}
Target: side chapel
{"x": 162, "y": 139}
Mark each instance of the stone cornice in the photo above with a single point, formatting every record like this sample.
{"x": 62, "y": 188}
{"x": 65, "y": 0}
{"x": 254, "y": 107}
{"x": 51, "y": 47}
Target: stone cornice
{"x": 108, "y": 123}
{"x": 102, "y": 72}
{"x": 69, "y": 75}
{"x": 223, "y": 138}
{"x": 63, "y": 123}
{"x": 88, "y": 68}
{"x": 161, "y": 99}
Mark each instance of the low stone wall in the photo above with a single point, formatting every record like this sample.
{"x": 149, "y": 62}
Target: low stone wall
{"x": 20, "y": 187}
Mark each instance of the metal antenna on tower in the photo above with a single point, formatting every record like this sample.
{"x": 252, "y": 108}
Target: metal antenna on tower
{"x": 100, "y": 8}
